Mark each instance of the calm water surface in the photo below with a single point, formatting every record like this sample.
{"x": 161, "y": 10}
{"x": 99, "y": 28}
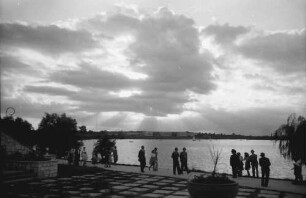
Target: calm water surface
{"x": 199, "y": 155}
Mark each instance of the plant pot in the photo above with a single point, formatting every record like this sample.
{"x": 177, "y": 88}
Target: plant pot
{"x": 197, "y": 190}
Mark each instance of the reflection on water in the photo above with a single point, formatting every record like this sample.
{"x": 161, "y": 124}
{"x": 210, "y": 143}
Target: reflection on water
{"x": 198, "y": 153}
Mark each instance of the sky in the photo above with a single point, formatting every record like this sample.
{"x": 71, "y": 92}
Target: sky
{"x": 224, "y": 66}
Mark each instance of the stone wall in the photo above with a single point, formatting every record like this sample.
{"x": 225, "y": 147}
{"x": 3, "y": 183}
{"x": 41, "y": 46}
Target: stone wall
{"x": 40, "y": 168}
{"x": 12, "y": 146}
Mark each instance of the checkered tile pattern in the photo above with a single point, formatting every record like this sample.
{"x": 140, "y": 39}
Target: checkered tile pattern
{"x": 119, "y": 184}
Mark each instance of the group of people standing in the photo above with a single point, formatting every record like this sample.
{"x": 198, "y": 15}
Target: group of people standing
{"x": 236, "y": 162}
{"x": 108, "y": 157}
{"x": 182, "y": 156}
{"x": 176, "y": 157}
{"x": 77, "y": 156}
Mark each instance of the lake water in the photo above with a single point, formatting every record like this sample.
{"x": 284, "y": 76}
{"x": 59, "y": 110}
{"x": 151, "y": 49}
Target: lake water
{"x": 199, "y": 155}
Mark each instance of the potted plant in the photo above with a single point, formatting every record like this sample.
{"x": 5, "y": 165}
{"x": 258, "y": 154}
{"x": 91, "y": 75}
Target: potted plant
{"x": 214, "y": 184}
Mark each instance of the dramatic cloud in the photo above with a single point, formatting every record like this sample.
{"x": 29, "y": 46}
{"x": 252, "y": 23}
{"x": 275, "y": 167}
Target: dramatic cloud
{"x": 225, "y": 34}
{"x": 284, "y": 51}
{"x": 135, "y": 70}
{"x": 49, "y": 39}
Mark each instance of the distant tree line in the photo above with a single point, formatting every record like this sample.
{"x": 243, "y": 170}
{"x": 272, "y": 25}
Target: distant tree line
{"x": 60, "y": 133}
{"x": 158, "y": 135}
{"x": 56, "y": 132}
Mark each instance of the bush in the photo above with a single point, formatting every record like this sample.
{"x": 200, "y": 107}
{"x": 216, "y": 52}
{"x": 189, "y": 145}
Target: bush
{"x": 212, "y": 179}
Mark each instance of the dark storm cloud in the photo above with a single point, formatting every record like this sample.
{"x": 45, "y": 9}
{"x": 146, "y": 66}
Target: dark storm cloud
{"x": 50, "y": 39}
{"x": 285, "y": 52}
{"x": 225, "y": 34}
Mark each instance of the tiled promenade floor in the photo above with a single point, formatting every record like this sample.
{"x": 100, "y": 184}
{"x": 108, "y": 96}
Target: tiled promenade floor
{"x": 118, "y": 184}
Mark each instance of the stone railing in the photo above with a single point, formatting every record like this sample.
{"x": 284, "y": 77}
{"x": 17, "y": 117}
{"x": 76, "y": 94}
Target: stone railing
{"x": 39, "y": 168}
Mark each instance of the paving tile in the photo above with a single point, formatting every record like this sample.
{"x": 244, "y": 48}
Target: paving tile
{"x": 243, "y": 193}
{"x": 48, "y": 181}
{"x": 152, "y": 195}
{"x": 269, "y": 192}
{"x": 177, "y": 196}
{"x": 94, "y": 194}
{"x": 34, "y": 183}
{"x": 150, "y": 179}
{"x": 50, "y": 185}
{"x": 161, "y": 183}
{"x": 246, "y": 190}
{"x": 120, "y": 187}
{"x": 163, "y": 192}
{"x": 170, "y": 188}
{"x": 104, "y": 191}
{"x": 159, "y": 177}
{"x": 114, "y": 183}
{"x": 89, "y": 175}
{"x": 179, "y": 185}
{"x": 124, "y": 181}
{"x": 150, "y": 186}
{"x": 132, "y": 184}
{"x": 168, "y": 181}
{"x": 74, "y": 192}
{"x": 139, "y": 189}
{"x": 292, "y": 196}
{"x": 68, "y": 187}
{"x": 64, "y": 179}
{"x": 267, "y": 195}
{"x": 181, "y": 193}
{"x": 129, "y": 193}
{"x": 142, "y": 182}
{"x": 85, "y": 189}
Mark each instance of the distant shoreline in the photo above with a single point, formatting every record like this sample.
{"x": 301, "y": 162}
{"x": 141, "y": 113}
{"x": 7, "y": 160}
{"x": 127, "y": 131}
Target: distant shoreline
{"x": 98, "y": 135}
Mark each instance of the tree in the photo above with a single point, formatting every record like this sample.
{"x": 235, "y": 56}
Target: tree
{"x": 82, "y": 129}
{"x": 103, "y": 145}
{"x": 292, "y": 138}
{"x": 19, "y": 129}
{"x": 58, "y": 133}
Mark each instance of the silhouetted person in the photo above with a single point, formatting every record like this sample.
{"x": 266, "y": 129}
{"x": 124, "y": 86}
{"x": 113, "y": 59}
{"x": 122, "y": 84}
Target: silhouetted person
{"x": 142, "y": 158}
{"x": 155, "y": 166}
{"x": 76, "y": 157}
{"x": 254, "y": 163}
{"x": 183, "y": 159}
{"x": 247, "y": 163}
{"x": 94, "y": 158}
{"x": 107, "y": 158}
{"x": 71, "y": 156}
{"x": 84, "y": 156}
{"x": 240, "y": 165}
{"x": 115, "y": 153}
{"x": 298, "y": 171}
{"x": 176, "y": 165}
{"x": 152, "y": 159}
{"x": 264, "y": 162}
{"x": 234, "y": 162}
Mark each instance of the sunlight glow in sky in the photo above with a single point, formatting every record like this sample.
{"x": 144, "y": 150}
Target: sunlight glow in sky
{"x": 166, "y": 65}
